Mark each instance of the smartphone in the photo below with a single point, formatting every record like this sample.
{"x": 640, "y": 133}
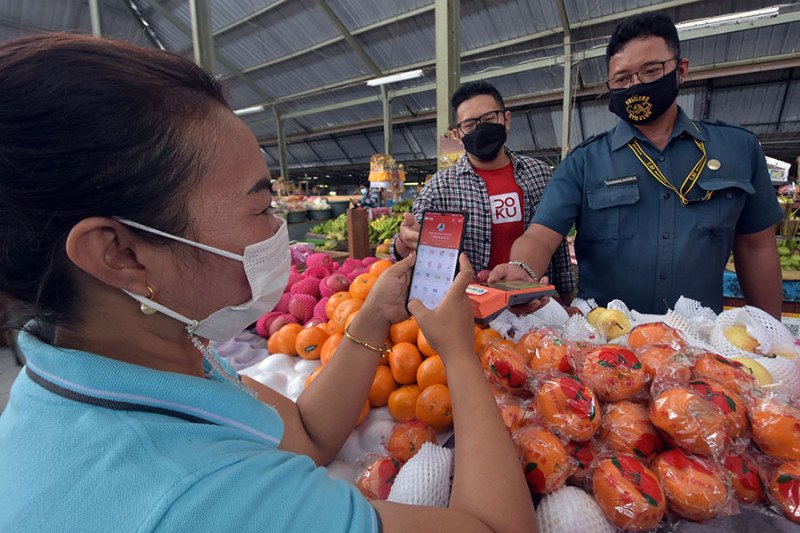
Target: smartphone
{"x": 441, "y": 236}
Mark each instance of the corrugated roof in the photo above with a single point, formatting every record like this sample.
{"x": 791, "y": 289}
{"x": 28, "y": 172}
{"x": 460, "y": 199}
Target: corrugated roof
{"x": 769, "y": 104}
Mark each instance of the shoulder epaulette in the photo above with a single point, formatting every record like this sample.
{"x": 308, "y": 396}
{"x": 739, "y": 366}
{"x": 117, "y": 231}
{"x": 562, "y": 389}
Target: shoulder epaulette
{"x": 728, "y": 124}
{"x": 593, "y": 138}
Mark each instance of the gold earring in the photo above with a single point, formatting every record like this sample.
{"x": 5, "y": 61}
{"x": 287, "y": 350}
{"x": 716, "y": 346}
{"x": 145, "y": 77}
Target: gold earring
{"x": 146, "y": 309}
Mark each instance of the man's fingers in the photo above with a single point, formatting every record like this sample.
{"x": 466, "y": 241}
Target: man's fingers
{"x": 498, "y": 273}
{"x": 529, "y": 307}
{"x": 409, "y": 220}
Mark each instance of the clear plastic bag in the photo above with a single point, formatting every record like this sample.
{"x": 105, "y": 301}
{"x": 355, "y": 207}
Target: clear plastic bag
{"x": 696, "y": 488}
{"x": 628, "y": 493}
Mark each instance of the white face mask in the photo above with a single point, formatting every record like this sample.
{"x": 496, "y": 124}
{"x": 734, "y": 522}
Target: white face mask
{"x": 266, "y": 264}
{"x": 363, "y": 191}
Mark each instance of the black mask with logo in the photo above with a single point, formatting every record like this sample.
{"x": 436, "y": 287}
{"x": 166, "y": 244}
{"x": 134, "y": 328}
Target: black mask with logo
{"x": 645, "y": 102}
{"x": 486, "y": 141}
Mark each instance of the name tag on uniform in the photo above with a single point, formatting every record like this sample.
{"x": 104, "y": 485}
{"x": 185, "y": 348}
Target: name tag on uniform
{"x": 621, "y": 181}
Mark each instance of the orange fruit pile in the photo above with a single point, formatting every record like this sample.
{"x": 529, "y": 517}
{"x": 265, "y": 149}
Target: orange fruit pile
{"x": 411, "y": 380}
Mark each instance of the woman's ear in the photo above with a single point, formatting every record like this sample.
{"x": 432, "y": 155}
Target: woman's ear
{"x": 107, "y": 251}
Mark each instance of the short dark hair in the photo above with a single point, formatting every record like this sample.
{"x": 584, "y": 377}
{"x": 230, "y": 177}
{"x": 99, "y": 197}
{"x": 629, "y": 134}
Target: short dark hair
{"x": 91, "y": 127}
{"x": 472, "y": 89}
{"x": 640, "y": 26}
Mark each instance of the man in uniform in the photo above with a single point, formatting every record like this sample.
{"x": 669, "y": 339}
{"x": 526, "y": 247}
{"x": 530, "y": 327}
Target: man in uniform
{"x": 660, "y": 200}
{"x": 497, "y": 188}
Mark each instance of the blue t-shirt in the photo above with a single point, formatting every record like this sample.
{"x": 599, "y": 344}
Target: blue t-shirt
{"x": 635, "y": 240}
{"x": 88, "y": 443}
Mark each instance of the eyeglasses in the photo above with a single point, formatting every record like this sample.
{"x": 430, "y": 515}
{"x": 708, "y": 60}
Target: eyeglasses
{"x": 469, "y": 125}
{"x": 650, "y": 73}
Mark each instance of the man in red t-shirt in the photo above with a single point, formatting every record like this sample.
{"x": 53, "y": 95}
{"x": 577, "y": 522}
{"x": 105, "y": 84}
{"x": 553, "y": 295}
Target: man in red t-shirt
{"x": 498, "y": 189}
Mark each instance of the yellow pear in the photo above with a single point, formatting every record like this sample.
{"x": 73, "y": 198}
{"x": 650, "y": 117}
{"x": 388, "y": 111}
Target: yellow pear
{"x": 756, "y": 369}
{"x": 738, "y": 336}
{"x": 610, "y": 322}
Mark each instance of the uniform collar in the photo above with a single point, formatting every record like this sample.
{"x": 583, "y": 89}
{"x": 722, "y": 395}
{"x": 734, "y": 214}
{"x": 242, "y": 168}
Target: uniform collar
{"x": 625, "y": 132}
{"x": 84, "y": 377}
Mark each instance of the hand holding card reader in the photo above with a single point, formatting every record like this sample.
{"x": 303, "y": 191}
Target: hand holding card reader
{"x": 488, "y": 301}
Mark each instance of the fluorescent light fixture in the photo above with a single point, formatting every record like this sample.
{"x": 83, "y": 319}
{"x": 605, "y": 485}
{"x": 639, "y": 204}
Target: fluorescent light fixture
{"x": 732, "y": 18}
{"x": 400, "y": 76}
{"x": 248, "y": 110}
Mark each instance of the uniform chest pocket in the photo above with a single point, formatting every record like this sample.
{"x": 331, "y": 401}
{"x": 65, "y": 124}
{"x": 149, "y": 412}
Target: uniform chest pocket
{"x": 721, "y": 213}
{"x": 613, "y": 213}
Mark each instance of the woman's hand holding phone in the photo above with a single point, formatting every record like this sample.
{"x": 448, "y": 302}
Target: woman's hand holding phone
{"x": 455, "y": 310}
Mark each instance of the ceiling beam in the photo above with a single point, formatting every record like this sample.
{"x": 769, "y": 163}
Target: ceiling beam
{"x": 700, "y": 73}
{"x": 248, "y": 19}
{"x": 464, "y": 54}
{"x": 186, "y": 30}
{"x": 8, "y": 23}
{"x": 364, "y": 29}
{"x": 348, "y": 37}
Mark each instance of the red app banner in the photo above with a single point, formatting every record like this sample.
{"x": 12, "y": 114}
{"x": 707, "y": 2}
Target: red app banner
{"x": 442, "y": 230}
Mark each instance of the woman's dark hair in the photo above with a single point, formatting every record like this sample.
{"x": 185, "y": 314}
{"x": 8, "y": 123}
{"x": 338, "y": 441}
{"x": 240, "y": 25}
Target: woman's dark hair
{"x": 641, "y": 26}
{"x": 473, "y": 89}
{"x": 90, "y": 127}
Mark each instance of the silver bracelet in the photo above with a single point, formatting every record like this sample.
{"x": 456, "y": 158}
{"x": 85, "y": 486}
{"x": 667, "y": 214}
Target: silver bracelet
{"x": 528, "y": 270}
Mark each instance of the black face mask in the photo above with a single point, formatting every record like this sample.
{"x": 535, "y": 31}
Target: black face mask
{"x": 645, "y": 102}
{"x": 486, "y": 141}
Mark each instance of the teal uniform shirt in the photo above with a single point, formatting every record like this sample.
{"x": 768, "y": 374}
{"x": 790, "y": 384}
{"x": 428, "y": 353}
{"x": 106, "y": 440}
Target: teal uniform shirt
{"x": 635, "y": 240}
{"x": 88, "y": 443}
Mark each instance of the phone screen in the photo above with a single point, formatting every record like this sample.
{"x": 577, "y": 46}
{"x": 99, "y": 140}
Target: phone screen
{"x": 439, "y": 244}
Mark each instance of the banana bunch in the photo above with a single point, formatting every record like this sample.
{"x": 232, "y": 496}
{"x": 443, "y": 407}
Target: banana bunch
{"x": 383, "y": 227}
{"x": 789, "y": 253}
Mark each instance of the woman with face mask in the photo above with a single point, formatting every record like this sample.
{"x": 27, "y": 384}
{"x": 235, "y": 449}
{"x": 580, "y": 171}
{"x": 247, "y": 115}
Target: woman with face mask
{"x": 135, "y": 224}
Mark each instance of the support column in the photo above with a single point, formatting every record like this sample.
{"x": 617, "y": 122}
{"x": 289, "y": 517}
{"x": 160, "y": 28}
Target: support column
{"x": 386, "y": 98}
{"x": 96, "y": 15}
{"x": 202, "y": 36}
{"x": 566, "y": 103}
{"x": 281, "y": 144}
{"x": 448, "y": 61}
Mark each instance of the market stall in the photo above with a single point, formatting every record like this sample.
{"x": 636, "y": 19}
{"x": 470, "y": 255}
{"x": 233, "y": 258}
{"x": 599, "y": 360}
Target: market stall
{"x": 694, "y": 415}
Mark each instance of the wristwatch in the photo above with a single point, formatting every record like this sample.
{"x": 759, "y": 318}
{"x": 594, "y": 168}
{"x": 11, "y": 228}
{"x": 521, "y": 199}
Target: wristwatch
{"x": 527, "y": 268}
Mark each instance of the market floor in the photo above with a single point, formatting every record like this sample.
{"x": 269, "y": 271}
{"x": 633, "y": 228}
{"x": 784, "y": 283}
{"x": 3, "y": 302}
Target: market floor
{"x": 8, "y": 373}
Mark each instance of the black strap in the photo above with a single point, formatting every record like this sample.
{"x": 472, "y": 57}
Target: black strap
{"x": 109, "y": 404}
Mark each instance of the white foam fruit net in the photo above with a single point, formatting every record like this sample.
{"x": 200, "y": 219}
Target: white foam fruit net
{"x": 569, "y": 510}
{"x": 425, "y": 478}
{"x": 770, "y": 334}
{"x": 785, "y": 373}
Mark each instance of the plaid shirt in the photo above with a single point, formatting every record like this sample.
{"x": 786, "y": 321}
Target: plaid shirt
{"x": 459, "y": 188}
